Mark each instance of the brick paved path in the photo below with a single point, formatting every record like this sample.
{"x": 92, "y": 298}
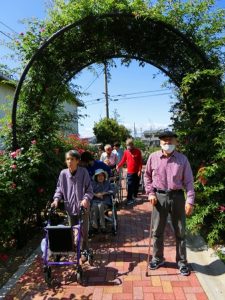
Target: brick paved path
{"x": 119, "y": 270}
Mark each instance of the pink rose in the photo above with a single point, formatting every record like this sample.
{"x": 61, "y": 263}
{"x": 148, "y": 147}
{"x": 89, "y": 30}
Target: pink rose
{"x": 221, "y": 208}
{"x": 3, "y": 257}
{"x": 13, "y": 185}
{"x": 2, "y": 152}
{"x": 14, "y": 166}
{"x": 40, "y": 190}
{"x": 15, "y": 153}
{"x": 34, "y": 142}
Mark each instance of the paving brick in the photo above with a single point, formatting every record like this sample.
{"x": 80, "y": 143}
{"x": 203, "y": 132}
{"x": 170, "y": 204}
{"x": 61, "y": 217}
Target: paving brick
{"x": 167, "y": 287}
{"x": 179, "y": 293}
{"x": 119, "y": 271}
{"x": 194, "y": 280}
{"x": 152, "y": 289}
{"x": 201, "y": 296}
{"x": 164, "y": 296}
{"x": 113, "y": 289}
{"x": 132, "y": 278}
{"x": 193, "y": 290}
{"x": 142, "y": 283}
{"x": 156, "y": 281}
{"x": 107, "y": 296}
{"x": 137, "y": 293}
{"x": 124, "y": 296}
{"x": 180, "y": 283}
{"x": 97, "y": 295}
{"x": 190, "y": 297}
{"x": 148, "y": 296}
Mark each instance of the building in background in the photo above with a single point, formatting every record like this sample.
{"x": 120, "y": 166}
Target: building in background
{"x": 150, "y": 137}
{"x": 7, "y": 91}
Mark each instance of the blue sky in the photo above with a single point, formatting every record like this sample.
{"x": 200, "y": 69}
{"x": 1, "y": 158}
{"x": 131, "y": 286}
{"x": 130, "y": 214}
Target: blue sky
{"x": 147, "y": 109}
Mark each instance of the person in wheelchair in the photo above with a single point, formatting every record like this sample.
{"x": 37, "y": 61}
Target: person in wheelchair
{"x": 103, "y": 192}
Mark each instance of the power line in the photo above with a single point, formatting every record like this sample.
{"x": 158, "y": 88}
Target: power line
{"x": 93, "y": 81}
{"x": 141, "y": 92}
{"x": 124, "y": 95}
{"x": 130, "y": 98}
{"x": 137, "y": 97}
{"x": 8, "y": 36}
{"x": 10, "y": 28}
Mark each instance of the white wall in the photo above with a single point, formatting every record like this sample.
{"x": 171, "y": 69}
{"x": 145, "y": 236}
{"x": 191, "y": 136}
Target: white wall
{"x": 72, "y": 108}
{"x": 6, "y": 93}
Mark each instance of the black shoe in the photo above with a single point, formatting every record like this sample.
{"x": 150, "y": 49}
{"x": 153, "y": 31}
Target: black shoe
{"x": 103, "y": 230}
{"x": 155, "y": 264}
{"x": 130, "y": 201}
{"x": 184, "y": 270}
{"x": 93, "y": 231}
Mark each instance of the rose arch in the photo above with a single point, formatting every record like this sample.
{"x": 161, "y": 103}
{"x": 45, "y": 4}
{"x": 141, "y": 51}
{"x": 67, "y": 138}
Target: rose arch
{"x": 198, "y": 114}
{"x": 96, "y": 39}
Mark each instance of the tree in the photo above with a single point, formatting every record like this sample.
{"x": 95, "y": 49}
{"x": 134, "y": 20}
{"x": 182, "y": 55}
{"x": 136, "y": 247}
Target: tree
{"x": 107, "y": 131}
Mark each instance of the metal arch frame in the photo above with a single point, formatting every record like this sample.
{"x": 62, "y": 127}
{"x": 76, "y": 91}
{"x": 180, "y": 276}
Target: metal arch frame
{"x": 61, "y": 31}
{"x": 128, "y": 57}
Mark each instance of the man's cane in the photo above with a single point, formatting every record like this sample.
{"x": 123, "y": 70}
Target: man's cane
{"x": 150, "y": 241}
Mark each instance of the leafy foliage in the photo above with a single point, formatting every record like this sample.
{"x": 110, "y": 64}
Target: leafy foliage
{"x": 107, "y": 131}
{"x": 184, "y": 39}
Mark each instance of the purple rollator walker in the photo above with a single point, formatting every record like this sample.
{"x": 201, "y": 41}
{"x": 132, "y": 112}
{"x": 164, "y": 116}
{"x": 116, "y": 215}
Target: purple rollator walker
{"x": 61, "y": 240}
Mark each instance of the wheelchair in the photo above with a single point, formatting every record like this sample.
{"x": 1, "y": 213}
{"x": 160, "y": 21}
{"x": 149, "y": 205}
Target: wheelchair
{"x": 110, "y": 216}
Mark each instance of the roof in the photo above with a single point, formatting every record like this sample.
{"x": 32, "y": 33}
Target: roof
{"x": 7, "y": 80}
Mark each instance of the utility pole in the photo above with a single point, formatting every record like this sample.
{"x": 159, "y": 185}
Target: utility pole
{"x": 106, "y": 90}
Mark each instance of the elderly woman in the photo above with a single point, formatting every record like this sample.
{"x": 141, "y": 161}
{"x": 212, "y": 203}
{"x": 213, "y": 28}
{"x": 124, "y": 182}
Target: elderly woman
{"x": 103, "y": 191}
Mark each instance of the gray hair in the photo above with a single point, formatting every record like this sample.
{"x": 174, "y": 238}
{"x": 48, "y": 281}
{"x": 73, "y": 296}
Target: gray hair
{"x": 129, "y": 141}
{"x": 73, "y": 153}
{"x": 107, "y": 146}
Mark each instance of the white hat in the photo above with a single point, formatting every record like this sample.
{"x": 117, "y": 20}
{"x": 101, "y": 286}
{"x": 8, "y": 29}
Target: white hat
{"x": 100, "y": 171}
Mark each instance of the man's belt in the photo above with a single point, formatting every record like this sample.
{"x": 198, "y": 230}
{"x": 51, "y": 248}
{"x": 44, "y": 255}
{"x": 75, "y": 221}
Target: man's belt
{"x": 167, "y": 191}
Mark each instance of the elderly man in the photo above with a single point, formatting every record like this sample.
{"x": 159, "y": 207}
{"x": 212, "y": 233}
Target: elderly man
{"x": 167, "y": 174}
{"x": 133, "y": 158}
{"x": 108, "y": 157}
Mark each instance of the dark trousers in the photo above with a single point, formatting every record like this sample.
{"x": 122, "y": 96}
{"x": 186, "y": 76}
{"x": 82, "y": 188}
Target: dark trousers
{"x": 173, "y": 203}
{"x": 74, "y": 219}
{"x": 132, "y": 185}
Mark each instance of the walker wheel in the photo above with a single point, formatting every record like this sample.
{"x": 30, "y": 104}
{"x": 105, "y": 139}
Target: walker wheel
{"x": 90, "y": 259}
{"x": 48, "y": 275}
{"x": 79, "y": 275}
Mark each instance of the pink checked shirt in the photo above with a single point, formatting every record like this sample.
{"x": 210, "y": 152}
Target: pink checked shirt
{"x": 169, "y": 173}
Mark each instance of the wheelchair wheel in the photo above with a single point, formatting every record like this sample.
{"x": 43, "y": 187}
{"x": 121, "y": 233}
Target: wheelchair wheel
{"x": 90, "y": 258}
{"x": 79, "y": 275}
{"x": 57, "y": 257}
{"x": 48, "y": 275}
{"x": 115, "y": 222}
{"x": 114, "y": 227}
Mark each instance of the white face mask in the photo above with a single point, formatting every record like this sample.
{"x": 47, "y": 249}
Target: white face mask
{"x": 168, "y": 148}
